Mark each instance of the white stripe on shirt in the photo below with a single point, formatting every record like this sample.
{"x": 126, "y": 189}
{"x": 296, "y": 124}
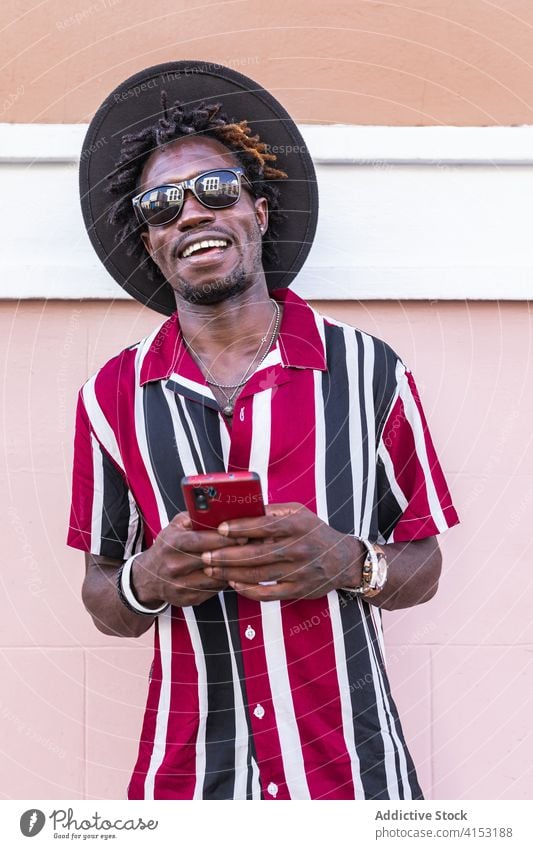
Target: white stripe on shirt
{"x": 278, "y": 676}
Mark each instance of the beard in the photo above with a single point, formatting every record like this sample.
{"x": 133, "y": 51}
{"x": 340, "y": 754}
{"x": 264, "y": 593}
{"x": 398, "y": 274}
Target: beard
{"x": 215, "y": 291}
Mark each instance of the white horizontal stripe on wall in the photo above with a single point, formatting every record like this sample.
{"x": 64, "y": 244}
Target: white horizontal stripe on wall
{"x": 406, "y": 212}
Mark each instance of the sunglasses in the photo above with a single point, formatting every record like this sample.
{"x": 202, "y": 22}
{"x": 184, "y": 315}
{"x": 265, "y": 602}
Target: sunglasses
{"x": 216, "y": 189}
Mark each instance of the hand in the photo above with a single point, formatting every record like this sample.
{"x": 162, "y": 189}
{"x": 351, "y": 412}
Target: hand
{"x": 305, "y": 556}
{"x": 172, "y": 569}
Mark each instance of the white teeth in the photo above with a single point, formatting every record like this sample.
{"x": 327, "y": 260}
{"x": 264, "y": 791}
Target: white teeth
{"x": 209, "y": 243}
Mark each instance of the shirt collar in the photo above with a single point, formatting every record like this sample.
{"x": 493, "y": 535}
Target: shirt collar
{"x": 300, "y": 343}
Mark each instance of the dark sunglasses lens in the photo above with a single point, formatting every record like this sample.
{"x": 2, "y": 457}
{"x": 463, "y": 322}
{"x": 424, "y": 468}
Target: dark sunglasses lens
{"x": 218, "y": 188}
{"x": 161, "y": 205}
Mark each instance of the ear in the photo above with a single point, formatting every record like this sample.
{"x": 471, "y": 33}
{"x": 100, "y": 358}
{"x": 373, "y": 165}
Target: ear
{"x": 261, "y": 213}
{"x": 147, "y": 242}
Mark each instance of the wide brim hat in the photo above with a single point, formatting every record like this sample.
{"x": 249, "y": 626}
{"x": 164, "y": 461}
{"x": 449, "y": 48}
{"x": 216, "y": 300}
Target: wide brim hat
{"x": 135, "y": 104}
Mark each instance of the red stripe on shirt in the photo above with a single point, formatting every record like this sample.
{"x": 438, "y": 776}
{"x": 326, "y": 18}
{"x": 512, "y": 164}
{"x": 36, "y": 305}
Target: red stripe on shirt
{"x": 315, "y": 693}
{"x": 136, "y": 785}
{"x": 115, "y": 389}
{"x": 291, "y": 474}
{"x": 437, "y": 474}
{"x": 241, "y": 436}
{"x": 416, "y": 521}
{"x": 80, "y": 523}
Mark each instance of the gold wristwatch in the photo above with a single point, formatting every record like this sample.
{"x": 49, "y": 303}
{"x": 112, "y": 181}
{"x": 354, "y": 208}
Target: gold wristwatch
{"x": 374, "y": 576}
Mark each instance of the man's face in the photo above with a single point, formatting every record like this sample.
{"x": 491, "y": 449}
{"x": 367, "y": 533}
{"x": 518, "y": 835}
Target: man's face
{"x": 207, "y": 276}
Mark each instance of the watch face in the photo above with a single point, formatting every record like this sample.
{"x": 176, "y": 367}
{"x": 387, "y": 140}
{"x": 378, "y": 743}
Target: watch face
{"x": 381, "y": 571}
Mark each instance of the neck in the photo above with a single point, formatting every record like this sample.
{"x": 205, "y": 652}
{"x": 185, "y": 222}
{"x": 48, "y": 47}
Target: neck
{"x": 227, "y": 331}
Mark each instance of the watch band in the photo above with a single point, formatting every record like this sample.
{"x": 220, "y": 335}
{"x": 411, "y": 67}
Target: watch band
{"x": 126, "y": 595}
{"x": 374, "y": 574}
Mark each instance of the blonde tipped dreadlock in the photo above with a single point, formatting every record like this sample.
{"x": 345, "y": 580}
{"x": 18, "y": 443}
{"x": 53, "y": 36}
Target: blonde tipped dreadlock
{"x": 239, "y": 136}
{"x": 177, "y": 121}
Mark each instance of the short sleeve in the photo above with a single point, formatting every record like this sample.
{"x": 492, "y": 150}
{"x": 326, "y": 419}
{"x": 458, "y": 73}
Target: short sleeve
{"x": 104, "y": 518}
{"x": 413, "y": 500}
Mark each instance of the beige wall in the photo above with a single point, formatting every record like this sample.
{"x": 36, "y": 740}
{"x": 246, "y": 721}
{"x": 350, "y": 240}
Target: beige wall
{"x": 343, "y": 61}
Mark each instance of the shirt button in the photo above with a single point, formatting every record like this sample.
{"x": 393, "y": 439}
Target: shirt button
{"x": 259, "y": 712}
{"x": 272, "y": 789}
{"x": 249, "y": 633}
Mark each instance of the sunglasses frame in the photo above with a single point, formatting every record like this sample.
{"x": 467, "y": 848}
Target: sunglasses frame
{"x": 190, "y": 184}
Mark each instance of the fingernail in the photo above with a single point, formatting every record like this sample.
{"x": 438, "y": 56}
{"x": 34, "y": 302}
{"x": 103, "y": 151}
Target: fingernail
{"x": 223, "y": 529}
{"x": 206, "y": 557}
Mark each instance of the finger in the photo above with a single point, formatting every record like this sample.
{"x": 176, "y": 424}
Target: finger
{"x": 254, "y": 575}
{"x": 277, "y": 592}
{"x": 277, "y": 522}
{"x": 172, "y": 562}
{"x": 253, "y": 554}
{"x": 290, "y": 509}
{"x": 181, "y": 520}
{"x": 195, "y": 581}
{"x": 196, "y": 542}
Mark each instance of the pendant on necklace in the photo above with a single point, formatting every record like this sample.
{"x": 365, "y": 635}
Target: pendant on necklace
{"x": 228, "y": 410}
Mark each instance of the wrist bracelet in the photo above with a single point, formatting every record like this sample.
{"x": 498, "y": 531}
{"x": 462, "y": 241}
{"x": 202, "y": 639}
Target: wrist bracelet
{"x": 126, "y": 595}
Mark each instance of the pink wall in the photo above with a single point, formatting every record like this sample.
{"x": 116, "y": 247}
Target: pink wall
{"x": 71, "y": 699}
{"x": 345, "y": 61}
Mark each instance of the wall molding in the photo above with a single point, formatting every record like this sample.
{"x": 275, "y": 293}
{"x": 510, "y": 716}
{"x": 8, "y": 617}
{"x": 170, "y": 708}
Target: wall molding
{"x": 406, "y": 213}
{"x": 335, "y": 144}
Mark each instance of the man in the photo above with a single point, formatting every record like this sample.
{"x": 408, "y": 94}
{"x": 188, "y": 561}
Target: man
{"x": 268, "y": 678}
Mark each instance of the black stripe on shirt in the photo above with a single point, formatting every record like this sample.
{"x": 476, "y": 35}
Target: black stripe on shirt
{"x": 231, "y": 602}
{"x": 115, "y": 511}
{"x": 364, "y": 423}
{"x": 206, "y": 421}
{"x": 385, "y": 510}
{"x": 164, "y": 457}
{"x": 367, "y": 731}
{"x": 219, "y": 782}
{"x": 188, "y": 434}
{"x": 383, "y": 383}
{"x": 383, "y": 684}
{"x": 393, "y": 716}
{"x": 190, "y": 393}
{"x": 388, "y": 510}
{"x": 338, "y": 467}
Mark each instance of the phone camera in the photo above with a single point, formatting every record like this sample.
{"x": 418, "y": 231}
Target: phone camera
{"x": 212, "y": 492}
{"x": 200, "y": 498}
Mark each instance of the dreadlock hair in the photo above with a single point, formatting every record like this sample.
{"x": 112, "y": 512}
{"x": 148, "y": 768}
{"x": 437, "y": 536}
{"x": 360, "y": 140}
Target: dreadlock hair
{"x": 176, "y": 122}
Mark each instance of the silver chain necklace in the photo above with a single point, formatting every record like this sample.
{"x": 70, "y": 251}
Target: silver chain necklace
{"x": 269, "y": 336}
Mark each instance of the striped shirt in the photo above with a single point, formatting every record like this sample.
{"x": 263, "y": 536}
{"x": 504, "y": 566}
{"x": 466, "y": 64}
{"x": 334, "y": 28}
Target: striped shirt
{"x": 273, "y": 700}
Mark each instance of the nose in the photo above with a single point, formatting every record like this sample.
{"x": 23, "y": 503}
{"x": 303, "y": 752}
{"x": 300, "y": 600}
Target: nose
{"x": 193, "y": 212}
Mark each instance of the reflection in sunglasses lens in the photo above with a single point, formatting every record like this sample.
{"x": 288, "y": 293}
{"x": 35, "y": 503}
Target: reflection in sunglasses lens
{"x": 218, "y": 189}
{"x": 160, "y": 205}
{"x": 215, "y": 190}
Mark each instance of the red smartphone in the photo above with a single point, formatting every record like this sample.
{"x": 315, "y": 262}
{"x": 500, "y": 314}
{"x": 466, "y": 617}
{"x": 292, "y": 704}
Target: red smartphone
{"x": 212, "y": 499}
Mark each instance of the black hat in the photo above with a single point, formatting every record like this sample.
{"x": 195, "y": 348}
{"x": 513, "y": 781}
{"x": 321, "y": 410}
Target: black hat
{"x": 135, "y": 104}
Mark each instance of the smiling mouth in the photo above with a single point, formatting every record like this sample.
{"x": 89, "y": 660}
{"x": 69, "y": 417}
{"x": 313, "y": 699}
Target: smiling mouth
{"x": 204, "y": 247}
